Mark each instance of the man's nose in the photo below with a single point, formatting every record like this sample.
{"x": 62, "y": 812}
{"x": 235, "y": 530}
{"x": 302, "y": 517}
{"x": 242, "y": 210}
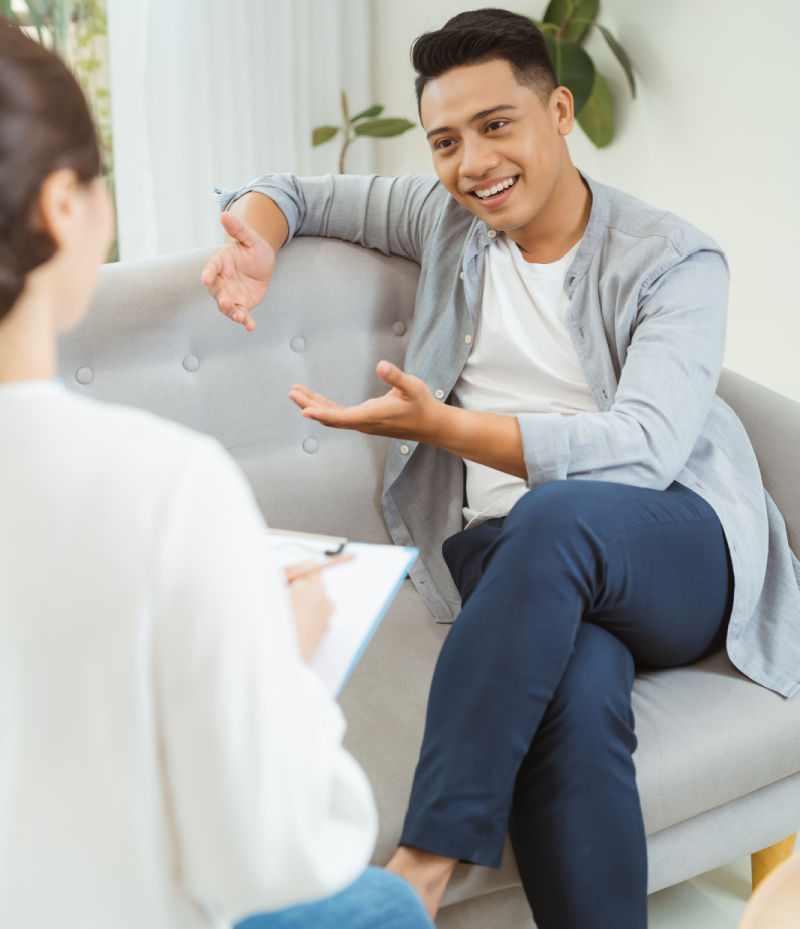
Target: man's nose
{"x": 478, "y": 158}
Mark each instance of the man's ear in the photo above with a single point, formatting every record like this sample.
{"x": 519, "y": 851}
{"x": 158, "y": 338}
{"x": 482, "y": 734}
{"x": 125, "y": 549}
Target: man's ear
{"x": 58, "y": 204}
{"x": 562, "y": 106}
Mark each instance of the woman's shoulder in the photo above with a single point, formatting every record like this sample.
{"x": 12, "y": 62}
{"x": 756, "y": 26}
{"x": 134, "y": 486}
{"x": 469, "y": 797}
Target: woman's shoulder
{"x": 134, "y": 445}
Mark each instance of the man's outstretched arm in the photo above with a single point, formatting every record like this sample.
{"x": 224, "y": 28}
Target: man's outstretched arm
{"x": 409, "y": 411}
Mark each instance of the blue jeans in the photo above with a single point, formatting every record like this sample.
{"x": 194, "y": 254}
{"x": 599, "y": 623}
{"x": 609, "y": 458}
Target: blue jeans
{"x": 529, "y": 726}
{"x": 377, "y": 900}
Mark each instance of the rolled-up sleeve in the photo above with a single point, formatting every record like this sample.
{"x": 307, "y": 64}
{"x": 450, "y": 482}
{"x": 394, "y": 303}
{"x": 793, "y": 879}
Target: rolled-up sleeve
{"x": 392, "y": 215}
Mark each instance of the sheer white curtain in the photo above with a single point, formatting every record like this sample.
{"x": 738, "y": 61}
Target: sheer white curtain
{"x": 212, "y": 93}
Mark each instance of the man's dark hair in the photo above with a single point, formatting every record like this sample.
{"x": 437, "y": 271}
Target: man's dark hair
{"x": 45, "y": 125}
{"x": 485, "y": 35}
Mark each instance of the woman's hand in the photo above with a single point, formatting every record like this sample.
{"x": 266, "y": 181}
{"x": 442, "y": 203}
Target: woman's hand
{"x": 311, "y": 606}
{"x": 238, "y": 274}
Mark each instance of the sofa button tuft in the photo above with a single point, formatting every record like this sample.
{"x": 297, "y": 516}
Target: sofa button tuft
{"x": 310, "y": 446}
{"x": 297, "y": 344}
{"x": 191, "y": 363}
{"x": 399, "y": 328}
{"x": 84, "y": 376}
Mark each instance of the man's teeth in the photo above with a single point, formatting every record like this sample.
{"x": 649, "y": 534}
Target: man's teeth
{"x": 491, "y": 191}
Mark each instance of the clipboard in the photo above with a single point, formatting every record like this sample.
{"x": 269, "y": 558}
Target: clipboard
{"x": 361, "y": 590}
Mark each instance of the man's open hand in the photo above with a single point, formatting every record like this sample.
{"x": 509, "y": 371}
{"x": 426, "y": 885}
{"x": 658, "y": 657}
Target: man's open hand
{"x": 238, "y": 274}
{"x": 407, "y": 411}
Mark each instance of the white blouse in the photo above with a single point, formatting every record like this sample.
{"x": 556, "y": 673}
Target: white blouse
{"x": 166, "y": 759}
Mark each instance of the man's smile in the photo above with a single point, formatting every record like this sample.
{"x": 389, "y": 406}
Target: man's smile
{"x": 492, "y": 188}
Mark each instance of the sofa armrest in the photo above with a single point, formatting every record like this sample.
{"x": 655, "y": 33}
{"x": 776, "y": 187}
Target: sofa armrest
{"x": 773, "y": 423}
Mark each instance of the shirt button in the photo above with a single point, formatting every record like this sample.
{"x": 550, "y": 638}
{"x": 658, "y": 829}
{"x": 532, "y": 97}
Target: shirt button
{"x": 461, "y": 275}
{"x": 491, "y": 233}
{"x": 439, "y": 394}
{"x": 468, "y": 339}
{"x": 403, "y": 449}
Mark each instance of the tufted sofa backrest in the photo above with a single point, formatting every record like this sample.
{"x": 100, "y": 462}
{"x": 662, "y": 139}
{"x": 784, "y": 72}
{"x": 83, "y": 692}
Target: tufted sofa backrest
{"x": 155, "y": 339}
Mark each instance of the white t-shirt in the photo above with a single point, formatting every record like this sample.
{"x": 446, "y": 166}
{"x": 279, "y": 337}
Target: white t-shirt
{"x": 522, "y": 361}
{"x": 166, "y": 759}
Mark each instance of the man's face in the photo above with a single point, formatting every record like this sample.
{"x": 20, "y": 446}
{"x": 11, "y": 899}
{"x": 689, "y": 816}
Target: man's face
{"x": 496, "y": 146}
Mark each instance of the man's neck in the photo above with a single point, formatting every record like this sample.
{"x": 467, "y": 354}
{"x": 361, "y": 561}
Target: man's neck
{"x": 560, "y": 226}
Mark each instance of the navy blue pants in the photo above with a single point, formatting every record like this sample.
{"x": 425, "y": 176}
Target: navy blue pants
{"x": 529, "y": 726}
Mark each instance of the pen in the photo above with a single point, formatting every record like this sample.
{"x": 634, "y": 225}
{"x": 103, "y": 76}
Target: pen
{"x": 295, "y": 572}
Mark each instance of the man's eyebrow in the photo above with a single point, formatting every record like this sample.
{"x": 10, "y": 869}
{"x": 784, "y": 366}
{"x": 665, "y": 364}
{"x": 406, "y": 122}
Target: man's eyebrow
{"x": 478, "y": 116}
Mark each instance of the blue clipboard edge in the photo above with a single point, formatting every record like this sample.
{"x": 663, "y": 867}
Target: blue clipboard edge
{"x": 412, "y": 553}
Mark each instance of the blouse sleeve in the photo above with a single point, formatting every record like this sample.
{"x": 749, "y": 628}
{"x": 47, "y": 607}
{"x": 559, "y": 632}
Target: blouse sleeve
{"x": 268, "y": 808}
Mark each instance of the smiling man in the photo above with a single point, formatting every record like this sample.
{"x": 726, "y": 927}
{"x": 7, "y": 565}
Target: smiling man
{"x": 560, "y": 383}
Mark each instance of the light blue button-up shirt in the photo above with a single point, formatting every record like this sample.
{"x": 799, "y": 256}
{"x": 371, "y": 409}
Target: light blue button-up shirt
{"x": 647, "y": 314}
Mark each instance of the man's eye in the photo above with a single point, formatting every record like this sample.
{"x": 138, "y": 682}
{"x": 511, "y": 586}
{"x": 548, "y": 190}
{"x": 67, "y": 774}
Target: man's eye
{"x": 442, "y": 144}
{"x": 497, "y": 124}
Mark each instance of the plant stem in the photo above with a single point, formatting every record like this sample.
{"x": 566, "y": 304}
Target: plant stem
{"x": 348, "y": 134}
{"x": 346, "y": 145}
{"x": 568, "y": 21}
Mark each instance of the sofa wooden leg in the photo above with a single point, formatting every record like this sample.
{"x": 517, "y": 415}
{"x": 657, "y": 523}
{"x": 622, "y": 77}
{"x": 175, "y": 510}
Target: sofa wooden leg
{"x": 761, "y": 863}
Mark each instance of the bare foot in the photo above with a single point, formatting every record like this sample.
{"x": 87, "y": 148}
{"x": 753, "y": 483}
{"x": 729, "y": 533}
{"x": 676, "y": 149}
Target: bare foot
{"x": 427, "y": 873}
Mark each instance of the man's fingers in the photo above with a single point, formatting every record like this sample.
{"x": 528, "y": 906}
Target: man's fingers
{"x": 239, "y": 315}
{"x": 211, "y": 269}
{"x": 238, "y": 230}
{"x": 327, "y": 415}
{"x": 391, "y": 374}
{"x": 302, "y": 396}
{"x": 299, "y": 395}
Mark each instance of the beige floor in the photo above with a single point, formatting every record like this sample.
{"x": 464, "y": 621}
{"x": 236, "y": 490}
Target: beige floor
{"x": 714, "y": 900}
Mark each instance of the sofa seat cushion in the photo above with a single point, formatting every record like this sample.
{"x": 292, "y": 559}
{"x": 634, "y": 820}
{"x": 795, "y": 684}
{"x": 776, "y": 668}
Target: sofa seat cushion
{"x": 708, "y": 735}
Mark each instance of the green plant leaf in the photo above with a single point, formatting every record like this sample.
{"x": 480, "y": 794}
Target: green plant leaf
{"x": 7, "y": 13}
{"x": 597, "y": 117}
{"x": 37, "y": 18}
{"x": 384, "y": 128}
{"x": 545, "y": 28}
{"x": 370, "y": 113}
{"x": 622, "y": 57}
{"x": 558, "y": 11}
{"x": 323, "y": 134}
{"x": 574, "y": 69}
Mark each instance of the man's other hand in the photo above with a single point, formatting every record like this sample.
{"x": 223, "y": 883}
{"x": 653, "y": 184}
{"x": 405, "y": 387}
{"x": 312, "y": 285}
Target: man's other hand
{"x": 238, "y": 274}
{"x": 407, "y": 411}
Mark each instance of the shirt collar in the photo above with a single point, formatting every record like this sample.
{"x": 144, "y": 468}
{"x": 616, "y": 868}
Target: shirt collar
{"x": 478, "y": 238}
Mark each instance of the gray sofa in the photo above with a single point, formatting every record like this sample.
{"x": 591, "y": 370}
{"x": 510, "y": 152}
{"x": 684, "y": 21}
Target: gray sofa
{"x": 718, "y": 760}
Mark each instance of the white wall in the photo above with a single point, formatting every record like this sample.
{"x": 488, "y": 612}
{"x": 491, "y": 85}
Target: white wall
{"x": 713, "y": 135}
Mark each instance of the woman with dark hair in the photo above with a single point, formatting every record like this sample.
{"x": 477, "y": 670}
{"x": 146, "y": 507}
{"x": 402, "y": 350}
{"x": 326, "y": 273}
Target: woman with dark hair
{"x": 167, "y": 759}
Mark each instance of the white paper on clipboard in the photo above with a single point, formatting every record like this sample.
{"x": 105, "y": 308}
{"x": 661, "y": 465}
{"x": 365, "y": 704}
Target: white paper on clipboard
{"x": 360, "y": 589}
